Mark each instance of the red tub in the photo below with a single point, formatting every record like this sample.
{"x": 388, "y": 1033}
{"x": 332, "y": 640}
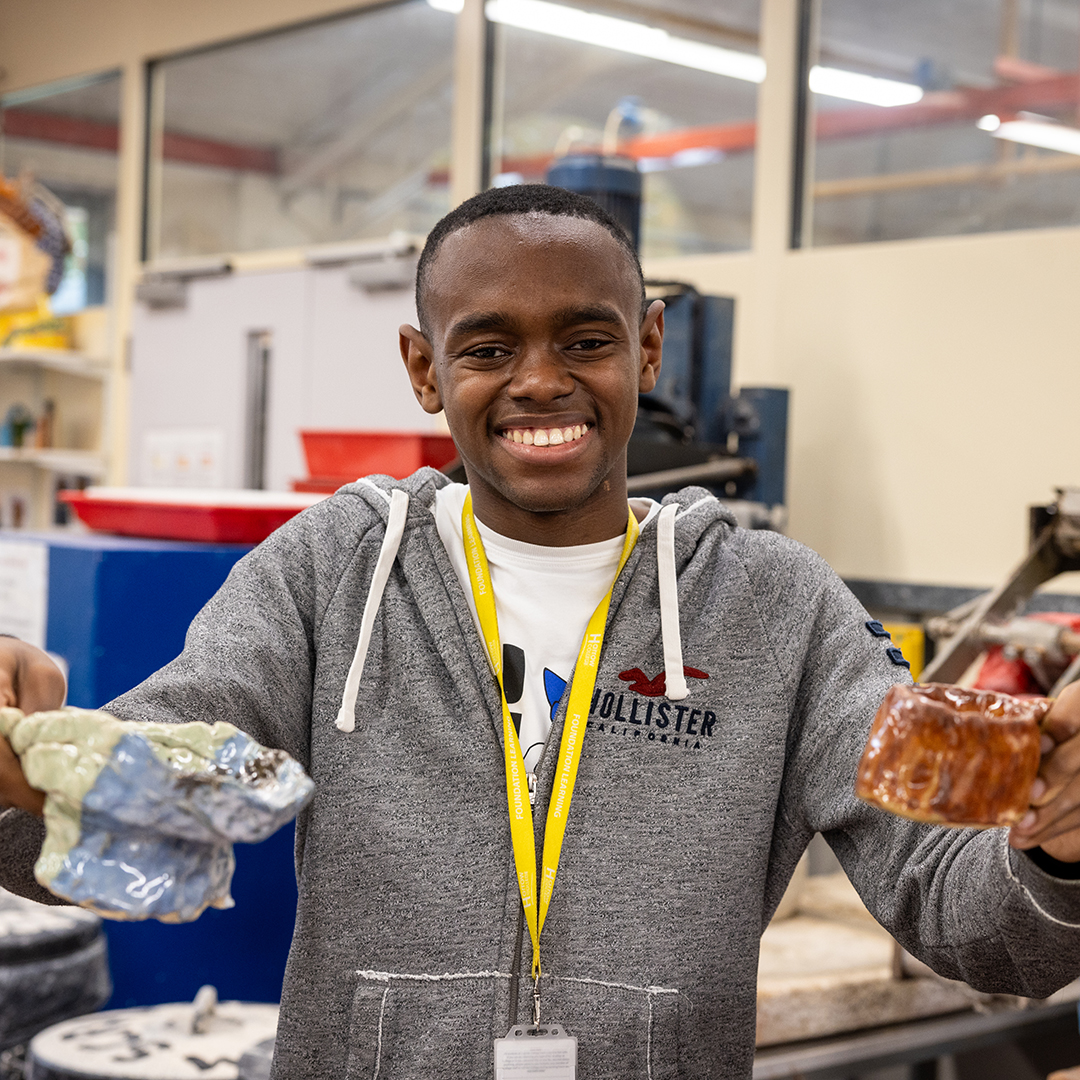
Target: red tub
{"x": 211, "y": 516}
{"x": 341, "y": 456}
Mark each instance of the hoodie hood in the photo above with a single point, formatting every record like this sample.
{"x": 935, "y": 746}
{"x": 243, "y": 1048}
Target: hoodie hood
{"x": 695, "y": 508}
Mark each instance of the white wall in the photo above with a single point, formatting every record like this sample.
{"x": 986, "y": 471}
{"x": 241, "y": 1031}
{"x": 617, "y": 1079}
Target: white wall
{"x": 334, "y": 364}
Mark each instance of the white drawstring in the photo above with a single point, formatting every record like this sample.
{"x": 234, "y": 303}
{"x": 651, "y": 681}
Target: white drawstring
{"x": 674, "y": 677}
{"x": 395, "y": 528}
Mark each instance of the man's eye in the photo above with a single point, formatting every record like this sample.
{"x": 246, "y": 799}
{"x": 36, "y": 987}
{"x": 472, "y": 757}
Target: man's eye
{"x": 589, "y": 344}
{"x": 487, "y": 353}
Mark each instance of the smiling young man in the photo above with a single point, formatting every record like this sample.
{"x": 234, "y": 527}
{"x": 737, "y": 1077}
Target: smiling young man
{"x": 536, "y": 341}
{"x": 690, "y": 700}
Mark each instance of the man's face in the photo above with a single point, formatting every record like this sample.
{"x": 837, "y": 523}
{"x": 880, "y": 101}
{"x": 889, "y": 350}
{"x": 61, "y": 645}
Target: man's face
{"x": 537, "y": 353}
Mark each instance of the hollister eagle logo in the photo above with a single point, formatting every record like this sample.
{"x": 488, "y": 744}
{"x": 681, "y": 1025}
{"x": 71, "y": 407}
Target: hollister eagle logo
{"x": 615, "y": 713}
{"x": 640, "y": 683}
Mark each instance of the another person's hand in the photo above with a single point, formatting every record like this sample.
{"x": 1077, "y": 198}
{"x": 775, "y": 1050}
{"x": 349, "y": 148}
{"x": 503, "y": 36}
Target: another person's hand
{"x": 1053, "y": 823}
{"x": 29, "y": 680}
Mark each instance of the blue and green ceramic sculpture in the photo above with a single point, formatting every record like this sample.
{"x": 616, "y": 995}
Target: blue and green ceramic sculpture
{"x": 141, "y": 817}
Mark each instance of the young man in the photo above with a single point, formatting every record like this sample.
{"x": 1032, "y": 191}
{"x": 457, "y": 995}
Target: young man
{"x": 714, "y": 728}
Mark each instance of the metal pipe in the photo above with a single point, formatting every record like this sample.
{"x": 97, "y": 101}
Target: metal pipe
{"x": 708, "y": 471}
{"x": 258, "y": 394}
{"x": 1018, "y": 633}
{"x": 944, "y": 177}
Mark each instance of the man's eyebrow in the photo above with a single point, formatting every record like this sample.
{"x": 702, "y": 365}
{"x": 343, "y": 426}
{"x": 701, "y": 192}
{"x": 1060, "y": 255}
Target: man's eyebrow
{"x": 602, "y": 313}
{"x": 481, "y": 321}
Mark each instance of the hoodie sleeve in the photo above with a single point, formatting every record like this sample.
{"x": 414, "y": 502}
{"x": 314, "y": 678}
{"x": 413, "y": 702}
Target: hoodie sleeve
{"x": 248, "y": 658}
{"x": 249, "y": 654}
{"x": 961, "y": 900}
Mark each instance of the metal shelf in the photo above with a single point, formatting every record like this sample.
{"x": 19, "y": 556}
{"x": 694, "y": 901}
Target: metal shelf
{"x": 66, "y": 361}
{"x": 904, "y": 1044}
{"x": 77, "y": 462}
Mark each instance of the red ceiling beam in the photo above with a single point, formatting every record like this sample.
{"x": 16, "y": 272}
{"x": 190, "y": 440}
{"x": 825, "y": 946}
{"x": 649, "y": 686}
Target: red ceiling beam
{"x": 221, "y": 155}
{"x": 53, "y": 127}
{"x": 950, "y": 106}
{"x": 77, "y": 131}
{"x": 942, "y": 107}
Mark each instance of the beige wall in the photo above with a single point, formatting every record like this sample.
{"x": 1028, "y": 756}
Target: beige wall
{"x": 41, "y": 40}
{"x": 936, "y": 383}
{"x": 935, "y": 393}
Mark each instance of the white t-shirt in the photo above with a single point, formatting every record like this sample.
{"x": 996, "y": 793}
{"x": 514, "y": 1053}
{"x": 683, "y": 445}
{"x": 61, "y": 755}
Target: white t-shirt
{"x": 544, "y": 597}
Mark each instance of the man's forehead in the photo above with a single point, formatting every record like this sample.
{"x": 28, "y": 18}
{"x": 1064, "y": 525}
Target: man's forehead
{"x": 497, "y": 250}
{"x": 504, "y": 231}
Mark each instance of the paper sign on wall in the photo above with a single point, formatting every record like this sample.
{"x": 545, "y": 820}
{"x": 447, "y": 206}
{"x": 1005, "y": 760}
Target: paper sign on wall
{"x": 184, "y": 457}
{"x": 24, "y": 585}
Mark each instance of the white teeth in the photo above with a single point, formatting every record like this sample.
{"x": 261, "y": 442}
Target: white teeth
{"x": 546, "y": 436}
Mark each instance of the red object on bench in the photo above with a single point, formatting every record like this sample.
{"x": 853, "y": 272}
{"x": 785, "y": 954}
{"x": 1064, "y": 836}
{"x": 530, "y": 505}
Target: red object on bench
{"x": 214, "y": 517}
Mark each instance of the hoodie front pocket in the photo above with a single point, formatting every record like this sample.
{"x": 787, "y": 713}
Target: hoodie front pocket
{"x": 428, "y": 1026}
{"x": 442, "y": 1026}
{"x": 624, "y": 1032}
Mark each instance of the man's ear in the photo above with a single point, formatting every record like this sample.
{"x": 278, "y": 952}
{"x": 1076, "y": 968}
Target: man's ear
{"x": 419, "y": 360}
{"x": 652, "y": 346}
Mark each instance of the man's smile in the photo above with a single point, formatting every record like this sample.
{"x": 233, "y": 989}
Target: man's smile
{"x": 546, "y": 445}
{"x": 545, "y": 436}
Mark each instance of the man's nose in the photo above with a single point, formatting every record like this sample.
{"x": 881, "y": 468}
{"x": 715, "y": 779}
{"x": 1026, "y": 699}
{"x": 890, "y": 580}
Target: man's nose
{"x": 541, "y": 374}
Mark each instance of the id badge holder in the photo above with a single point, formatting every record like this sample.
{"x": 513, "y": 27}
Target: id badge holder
{"x": 541, "y": 1052}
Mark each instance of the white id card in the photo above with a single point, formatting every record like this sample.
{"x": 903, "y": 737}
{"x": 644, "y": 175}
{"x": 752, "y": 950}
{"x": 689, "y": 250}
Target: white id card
{"x": 536, "y": 1053}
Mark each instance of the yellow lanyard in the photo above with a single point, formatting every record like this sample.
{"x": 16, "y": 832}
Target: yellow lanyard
{"x": 577, "y": 712}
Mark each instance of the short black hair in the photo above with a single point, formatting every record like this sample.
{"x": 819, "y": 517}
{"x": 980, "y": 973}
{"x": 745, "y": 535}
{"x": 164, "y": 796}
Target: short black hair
{"x": 520, "y": 199}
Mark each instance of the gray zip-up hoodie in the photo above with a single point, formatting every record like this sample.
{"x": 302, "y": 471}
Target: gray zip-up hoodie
{"x": 688, "y": 817}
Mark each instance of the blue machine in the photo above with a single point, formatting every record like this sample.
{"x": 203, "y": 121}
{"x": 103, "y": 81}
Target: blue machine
{"x": 692, "y": 416}
{"x": 118, "y": 610}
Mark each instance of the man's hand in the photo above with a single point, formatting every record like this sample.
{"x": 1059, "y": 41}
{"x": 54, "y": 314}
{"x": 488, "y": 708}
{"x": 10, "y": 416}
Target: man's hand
{"x": 1053, "y": 823}
{"x": 30, "y": 681}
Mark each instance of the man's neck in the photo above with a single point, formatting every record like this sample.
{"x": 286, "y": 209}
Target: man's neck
{"x": 602, "y": 516}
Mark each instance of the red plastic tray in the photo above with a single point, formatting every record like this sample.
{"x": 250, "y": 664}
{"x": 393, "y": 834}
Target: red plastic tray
{"x": 327, "y": 485}
{"x": 222, "y": 517}
{"x": 350, "y": 454}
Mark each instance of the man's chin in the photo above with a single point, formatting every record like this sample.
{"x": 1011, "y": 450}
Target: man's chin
{"x": 545, "y": 498}
{"x": 553, "y": 491}
{"x": 547, "y": 503}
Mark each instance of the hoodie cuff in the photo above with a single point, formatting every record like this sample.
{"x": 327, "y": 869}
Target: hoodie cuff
{"x": 1057, "y": 898}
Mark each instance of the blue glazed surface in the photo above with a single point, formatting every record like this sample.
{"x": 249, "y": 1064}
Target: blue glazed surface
{"x": 156, "y": 842}
{"x": 142, "y": 875}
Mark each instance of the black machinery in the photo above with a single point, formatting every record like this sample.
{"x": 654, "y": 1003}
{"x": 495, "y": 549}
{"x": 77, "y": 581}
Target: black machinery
{"x": 692, "y": 429}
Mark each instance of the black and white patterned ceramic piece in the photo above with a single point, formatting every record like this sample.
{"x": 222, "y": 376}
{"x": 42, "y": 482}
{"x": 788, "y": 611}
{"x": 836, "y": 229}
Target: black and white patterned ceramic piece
{"x": 53, "y": 965}
{"x": 153, "y": 1043}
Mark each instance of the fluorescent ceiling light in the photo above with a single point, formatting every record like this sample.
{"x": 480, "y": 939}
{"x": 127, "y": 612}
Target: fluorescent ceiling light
{"x": 558, "y": 20}
{"x": 869, "y": 89}
{"x": 1036, "y": 133}
{"x": 590, "y": 28}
